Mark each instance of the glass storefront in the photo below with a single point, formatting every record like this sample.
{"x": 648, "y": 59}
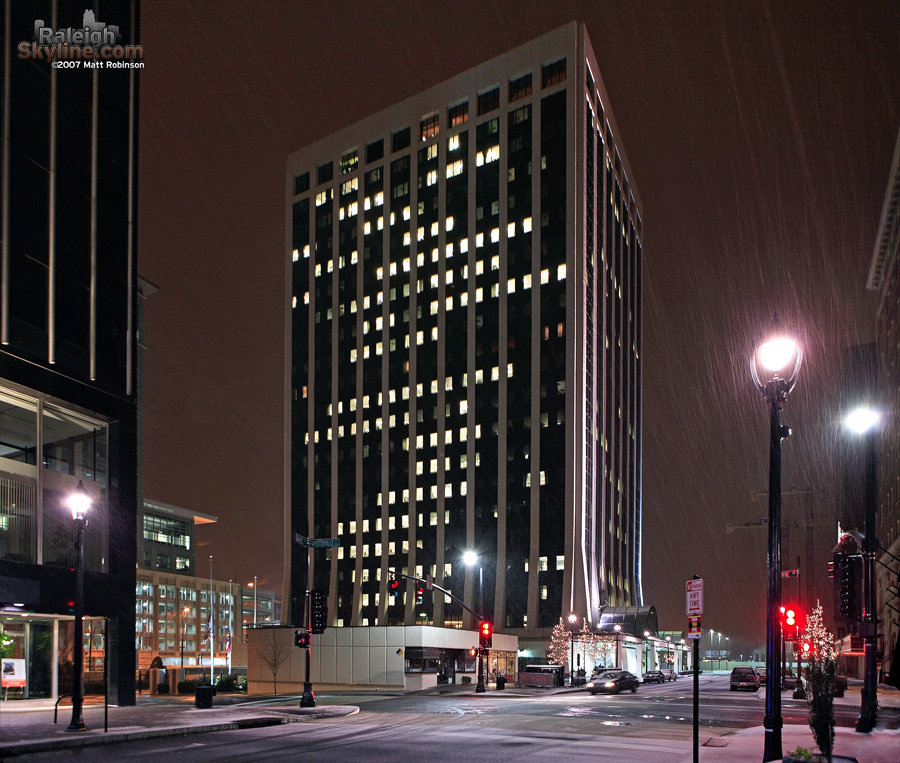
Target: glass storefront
{"x": 26, "y": 648}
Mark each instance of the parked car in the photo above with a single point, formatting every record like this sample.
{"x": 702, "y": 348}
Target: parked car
{"x": 670, "y": 675}
{"x": 654, "y": 677}
{"x": 761, "y": 672}
{"x": 613, "y": 681}
{"x": 744, "y": 677}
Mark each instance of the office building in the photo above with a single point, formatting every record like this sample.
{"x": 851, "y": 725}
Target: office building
{"x": 464, "y": 321}
{"x": 884, "y": 280}
{"x": 68, "y": 405}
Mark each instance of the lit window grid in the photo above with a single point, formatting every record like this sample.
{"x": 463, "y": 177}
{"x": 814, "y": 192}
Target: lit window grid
{"x": 560, "y": 271}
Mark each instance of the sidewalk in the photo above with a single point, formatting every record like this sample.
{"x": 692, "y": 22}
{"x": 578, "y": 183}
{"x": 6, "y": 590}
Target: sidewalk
{"x": 31, "y": 729}
{"x": 28, "y": 729}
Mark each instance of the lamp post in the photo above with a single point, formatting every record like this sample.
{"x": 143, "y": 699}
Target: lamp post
{"x": 572, "y": 621}
{"x": 184, "y": 612}
{"x": 254, "y": 601}
{"x": 646, "y": 651}
{"x": 771, "y": 356}
{"x": 617, "y": 628}
{"x": 79, "y": 503}
{"x": 671, "y": 659}
{"x": 470, "y": 558}
{"x": 863, "y": 421}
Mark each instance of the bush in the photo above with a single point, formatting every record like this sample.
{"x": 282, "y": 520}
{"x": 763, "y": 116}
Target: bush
{"x": 467, "y": 680}
{"x": 162, "y": 688}
{"x": 94, "y": 687}
{"x": 187, "y": 687}
{"x": 232, "y": 683}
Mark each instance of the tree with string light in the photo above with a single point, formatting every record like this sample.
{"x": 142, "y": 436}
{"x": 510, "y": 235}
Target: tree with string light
{"x": 819, "y": 675}
{"x": 559, "y": 644}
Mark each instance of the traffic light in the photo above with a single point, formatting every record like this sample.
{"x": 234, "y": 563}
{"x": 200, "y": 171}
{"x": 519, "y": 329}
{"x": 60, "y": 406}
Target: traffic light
{"x": 789, "y": 618}
{"x": 805, "y": 649}
{"x": 831, "y": 570}
{"x": 420, "y": 593}
{"x": 301, "y": 639}
{"x": 318, "y": 604}
{"x": 847, "y": 586}
{"x": 473, "y": 651}
{"x": 487, "y": 633}
{"x": 394, "y": 588}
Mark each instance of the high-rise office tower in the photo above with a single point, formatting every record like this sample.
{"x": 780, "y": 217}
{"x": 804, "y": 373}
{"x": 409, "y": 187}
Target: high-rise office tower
{"x": 68, "y": 286}
{"x": 464, "y": 323}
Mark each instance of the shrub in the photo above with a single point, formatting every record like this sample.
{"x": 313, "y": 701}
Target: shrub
{"x": 94, "y": 687}
{"x": 467, "y": 680}
{"x": 187, "y": 687}
{"x": 162, "y": 688}
{"x": 231, "y": 683}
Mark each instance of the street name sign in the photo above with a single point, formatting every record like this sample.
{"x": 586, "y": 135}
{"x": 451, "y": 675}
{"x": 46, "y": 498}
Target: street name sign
{"x": 694, "y": 596}
{"x": 316, "y": 542}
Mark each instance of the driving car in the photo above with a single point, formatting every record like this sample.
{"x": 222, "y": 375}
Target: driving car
{"x": 613, "y": 681}
{"x": 654, "y": 677}
{"x": 744, "y": 677}
{"x": 670, "y": 675}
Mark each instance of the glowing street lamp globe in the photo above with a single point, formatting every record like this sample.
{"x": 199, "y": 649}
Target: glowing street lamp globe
{"x": 777, "y": 353}
{"x": 862, "y": 420}
{"x": 79, "y": 501}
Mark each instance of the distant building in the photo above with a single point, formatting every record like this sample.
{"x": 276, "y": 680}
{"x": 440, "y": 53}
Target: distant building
{"x": 173, "y": 597}
{"x": 68, "y": 399}
{"x": 464, "y": 319}
{"x": 884, "y": 279}
{"x": 166, "y": 540}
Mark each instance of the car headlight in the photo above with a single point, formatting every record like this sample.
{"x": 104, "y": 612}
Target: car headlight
{"x": 610, "y": 684}
{"x": 590, "y": 684}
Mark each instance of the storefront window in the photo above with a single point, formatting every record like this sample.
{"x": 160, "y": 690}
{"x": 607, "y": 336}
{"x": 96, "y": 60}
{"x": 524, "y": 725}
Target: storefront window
{"x": 26, "y": 653}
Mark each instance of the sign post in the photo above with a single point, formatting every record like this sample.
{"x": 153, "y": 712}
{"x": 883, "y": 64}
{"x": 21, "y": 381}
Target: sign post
{"x": 694, "y": 608}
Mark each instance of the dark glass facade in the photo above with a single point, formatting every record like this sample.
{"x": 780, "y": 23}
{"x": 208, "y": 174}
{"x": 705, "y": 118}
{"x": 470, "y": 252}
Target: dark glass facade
{"x": 67, "y": 330}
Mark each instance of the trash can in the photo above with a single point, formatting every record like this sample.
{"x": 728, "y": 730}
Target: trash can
{"x": 203, "y": 697}
{"x": 501, "y": 682}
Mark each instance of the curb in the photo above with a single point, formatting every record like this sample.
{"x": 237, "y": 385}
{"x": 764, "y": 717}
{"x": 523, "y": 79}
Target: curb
{"x": 96, "y": 740}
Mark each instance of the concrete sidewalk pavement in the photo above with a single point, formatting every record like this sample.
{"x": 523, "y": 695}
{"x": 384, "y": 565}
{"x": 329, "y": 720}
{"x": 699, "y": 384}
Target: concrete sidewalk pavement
{"x": 30, "y": 729}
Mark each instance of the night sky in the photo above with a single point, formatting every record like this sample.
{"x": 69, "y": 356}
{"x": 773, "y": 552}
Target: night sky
{"x": 760, "y": 136}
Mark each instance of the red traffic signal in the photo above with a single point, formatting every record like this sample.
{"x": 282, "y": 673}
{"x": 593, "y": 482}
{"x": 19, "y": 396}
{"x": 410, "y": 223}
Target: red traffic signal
{"x": 486, "y": 634}
{"x": 790, "y": 617}
{"x": 806, "y": 647}
{"x": 473, "y": 651}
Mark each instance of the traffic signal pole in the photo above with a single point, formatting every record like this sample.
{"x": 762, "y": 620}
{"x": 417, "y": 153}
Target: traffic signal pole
{"x": 478, "y": 616}
{"x": 308, "y": 699}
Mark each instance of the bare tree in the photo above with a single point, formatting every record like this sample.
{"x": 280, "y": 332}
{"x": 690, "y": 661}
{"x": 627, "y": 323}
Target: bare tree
{"x": 274, "y": 655}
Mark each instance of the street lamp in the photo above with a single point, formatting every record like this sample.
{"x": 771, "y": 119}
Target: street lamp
{"x": 771, "y": 357}
{"x": 184, "y": 612}
{"x": 470, "y": 558}
{"x": 617, "y": 628}
{"x": 864, "y": 422}
{"x": 79, "y": 503}
{"x": 572, "y": 620}
{"x": 671, "y": 659}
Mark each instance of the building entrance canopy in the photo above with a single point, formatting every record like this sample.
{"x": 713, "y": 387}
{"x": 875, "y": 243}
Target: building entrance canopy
{"x": 634, "y": 621}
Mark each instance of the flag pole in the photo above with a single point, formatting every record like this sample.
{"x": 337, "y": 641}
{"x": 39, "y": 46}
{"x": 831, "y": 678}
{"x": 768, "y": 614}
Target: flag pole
{"x": 212, "y": 628}
{"x": 230, "y": 623}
